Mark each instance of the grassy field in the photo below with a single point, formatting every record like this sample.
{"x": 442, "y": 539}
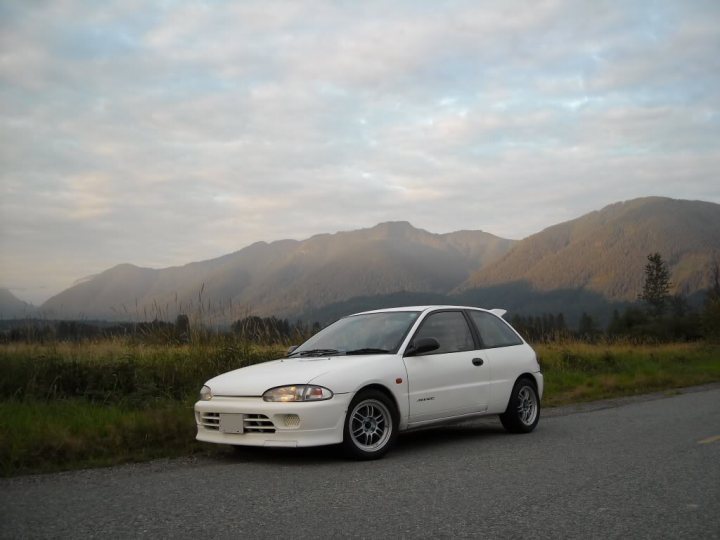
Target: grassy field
{"x": 65, "y": 405}
{"x": 577, "y": 372}
{"x": 68, "y": 405}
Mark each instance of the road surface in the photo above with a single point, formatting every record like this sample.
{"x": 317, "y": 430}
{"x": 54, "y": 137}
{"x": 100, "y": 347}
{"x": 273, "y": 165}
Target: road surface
{"x": 647, "y": 468}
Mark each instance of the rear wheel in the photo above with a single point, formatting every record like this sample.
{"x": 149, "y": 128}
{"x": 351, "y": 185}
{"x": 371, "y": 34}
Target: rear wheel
{"x": 370, "y": 425}
{"x": 523, "y": 410}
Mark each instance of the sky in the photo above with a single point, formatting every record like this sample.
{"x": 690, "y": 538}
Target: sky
{"x": 159, "y": 133}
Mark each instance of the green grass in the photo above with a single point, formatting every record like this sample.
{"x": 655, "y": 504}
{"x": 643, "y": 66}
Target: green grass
{"x": 577, "y": 372}
{"x": 120, "y": 372}
{"x": 66, "y": 406}
{"x": 64, "y": 434}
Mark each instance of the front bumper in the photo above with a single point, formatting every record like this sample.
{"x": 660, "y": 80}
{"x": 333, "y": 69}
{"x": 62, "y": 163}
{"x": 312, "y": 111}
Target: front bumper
{"x": 540, "y": 380}
{"x": 273, "y": 424}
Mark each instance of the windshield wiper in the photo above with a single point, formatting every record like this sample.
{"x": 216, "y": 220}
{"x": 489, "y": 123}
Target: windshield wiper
{"x": 317, "y": 352}
{"x": 368, "y": 350}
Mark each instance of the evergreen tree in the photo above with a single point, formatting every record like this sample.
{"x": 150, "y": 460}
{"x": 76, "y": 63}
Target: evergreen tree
{"x": 182, "y": 327}
{"x": 587, "y": 329}
{"x": 616, "y": 326}
{"x": 711, "y": 311}
{"x": 657, "y": 285}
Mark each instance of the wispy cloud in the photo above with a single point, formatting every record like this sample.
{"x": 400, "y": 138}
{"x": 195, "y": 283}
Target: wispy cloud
{"x": 167, "y": 132}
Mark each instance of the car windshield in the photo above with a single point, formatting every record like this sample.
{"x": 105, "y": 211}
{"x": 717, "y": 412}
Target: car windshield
{"x": 369, "y": 333}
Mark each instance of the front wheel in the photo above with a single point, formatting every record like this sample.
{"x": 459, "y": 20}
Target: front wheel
{"x": 523, "y": 410}
{"x": 371, "y": 426}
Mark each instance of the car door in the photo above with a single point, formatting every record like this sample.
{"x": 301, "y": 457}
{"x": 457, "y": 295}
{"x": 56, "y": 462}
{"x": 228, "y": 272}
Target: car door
{"x": 452, "y": 380}
{"x": 507, "y": 354}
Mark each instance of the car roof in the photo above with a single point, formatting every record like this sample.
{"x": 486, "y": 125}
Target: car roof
{"x": 495, "y": 311}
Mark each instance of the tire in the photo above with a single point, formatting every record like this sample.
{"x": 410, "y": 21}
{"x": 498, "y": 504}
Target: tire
{"x": 523, "y": 410}
{"x": 371, "y": 426}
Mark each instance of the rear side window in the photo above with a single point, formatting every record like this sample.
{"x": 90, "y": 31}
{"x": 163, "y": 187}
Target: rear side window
{"x": 450, "y": 329}
{"x": 493, "y": 331}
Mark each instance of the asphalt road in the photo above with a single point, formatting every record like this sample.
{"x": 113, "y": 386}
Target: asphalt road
{"x": 646, "y": 468}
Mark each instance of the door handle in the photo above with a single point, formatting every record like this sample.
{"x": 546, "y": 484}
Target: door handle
{"x": 477, "y": 361}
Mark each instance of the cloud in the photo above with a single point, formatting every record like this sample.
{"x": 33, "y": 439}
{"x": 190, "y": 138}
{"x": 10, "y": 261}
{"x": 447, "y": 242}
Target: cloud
{"x": 164, "y": 133}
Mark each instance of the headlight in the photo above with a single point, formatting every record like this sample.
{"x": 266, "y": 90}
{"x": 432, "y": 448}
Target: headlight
{"x": 299, "y": 392}
{"x": 205, "y": 393}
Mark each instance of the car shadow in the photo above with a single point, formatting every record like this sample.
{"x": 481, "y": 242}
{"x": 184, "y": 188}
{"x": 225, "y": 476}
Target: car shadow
{"x": 317, "y": 455}
{"x": 434, "y": 437}
{"x": 411, "y": 442}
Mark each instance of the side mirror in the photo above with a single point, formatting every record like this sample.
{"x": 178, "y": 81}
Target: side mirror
{"x": 291, "y": 349}
{"x": 422, "y": 346}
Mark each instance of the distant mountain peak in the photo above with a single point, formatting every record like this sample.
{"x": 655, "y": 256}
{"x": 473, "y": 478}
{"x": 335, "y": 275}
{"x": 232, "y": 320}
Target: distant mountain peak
{"x": 395, "y": 225}
{"x": 12, "y": 307}
{"x": 395, "y": 229}
{"x": 604, "y": 251}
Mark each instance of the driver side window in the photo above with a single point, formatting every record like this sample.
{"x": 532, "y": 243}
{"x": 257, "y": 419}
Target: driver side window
{"x": 450, "y": 329}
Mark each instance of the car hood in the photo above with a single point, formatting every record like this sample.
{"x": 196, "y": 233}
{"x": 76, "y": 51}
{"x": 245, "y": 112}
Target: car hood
{"x": 255, "y": 380}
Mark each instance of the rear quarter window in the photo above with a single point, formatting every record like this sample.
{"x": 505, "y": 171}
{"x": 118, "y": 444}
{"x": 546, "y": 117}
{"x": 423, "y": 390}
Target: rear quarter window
{"x": 493, "y": 331}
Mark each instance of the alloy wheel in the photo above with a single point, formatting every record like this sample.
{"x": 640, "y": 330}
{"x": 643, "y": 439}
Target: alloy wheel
{"x": 370, "y": 425}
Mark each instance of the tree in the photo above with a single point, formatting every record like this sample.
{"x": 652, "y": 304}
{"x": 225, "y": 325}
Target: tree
{"x": 711, "y": 311}
{"x": 587, "y": 329}
{"x": 616, "y": 327}
{"x": 632, "y": 322}
{"x": 182, "y": 327}
{"x": 656, "y": 288}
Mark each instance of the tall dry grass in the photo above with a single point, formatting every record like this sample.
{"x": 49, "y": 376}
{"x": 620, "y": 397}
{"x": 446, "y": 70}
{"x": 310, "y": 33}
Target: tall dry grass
{"x": 65, "y": 405}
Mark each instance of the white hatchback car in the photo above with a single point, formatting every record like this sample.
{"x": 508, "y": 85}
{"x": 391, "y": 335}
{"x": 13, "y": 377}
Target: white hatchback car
{"x": 371, "y": 375}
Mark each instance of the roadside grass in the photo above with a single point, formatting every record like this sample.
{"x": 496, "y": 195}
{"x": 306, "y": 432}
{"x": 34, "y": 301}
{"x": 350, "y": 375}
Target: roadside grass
{"x": 66, "y": 434}
{"x": 73, "y": 405}
{"x": 577, "y": 371}
{"x": 120, "y": 371}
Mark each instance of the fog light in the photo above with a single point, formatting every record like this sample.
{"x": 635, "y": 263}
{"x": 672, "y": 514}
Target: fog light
{"x": 290, "y": 420}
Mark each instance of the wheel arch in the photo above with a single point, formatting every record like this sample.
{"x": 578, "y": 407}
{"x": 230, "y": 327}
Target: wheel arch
{"x": 529, "y": 377}
{"x": 384, "y": 390}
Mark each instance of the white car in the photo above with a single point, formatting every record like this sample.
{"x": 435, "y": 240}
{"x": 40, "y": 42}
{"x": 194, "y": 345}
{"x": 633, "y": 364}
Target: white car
{"x": 371, "y": 375}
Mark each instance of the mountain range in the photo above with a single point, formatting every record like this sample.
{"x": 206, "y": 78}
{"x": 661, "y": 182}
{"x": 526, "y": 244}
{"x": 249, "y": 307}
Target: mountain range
{"x": 12, "y": 307}
{"x": 605, "y": 251}
{"x": 288, "y": 277}
{"x": 596, "y": 260}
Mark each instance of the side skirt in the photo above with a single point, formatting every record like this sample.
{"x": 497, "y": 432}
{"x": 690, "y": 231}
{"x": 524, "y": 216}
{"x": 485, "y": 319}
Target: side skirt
{"x": 447, "y": 420}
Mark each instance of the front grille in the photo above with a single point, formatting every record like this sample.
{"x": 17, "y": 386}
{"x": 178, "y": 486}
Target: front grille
{"x": 258, "y": 423}
{"x": 210, "y": 420}
{"x": 252, "y": 423}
